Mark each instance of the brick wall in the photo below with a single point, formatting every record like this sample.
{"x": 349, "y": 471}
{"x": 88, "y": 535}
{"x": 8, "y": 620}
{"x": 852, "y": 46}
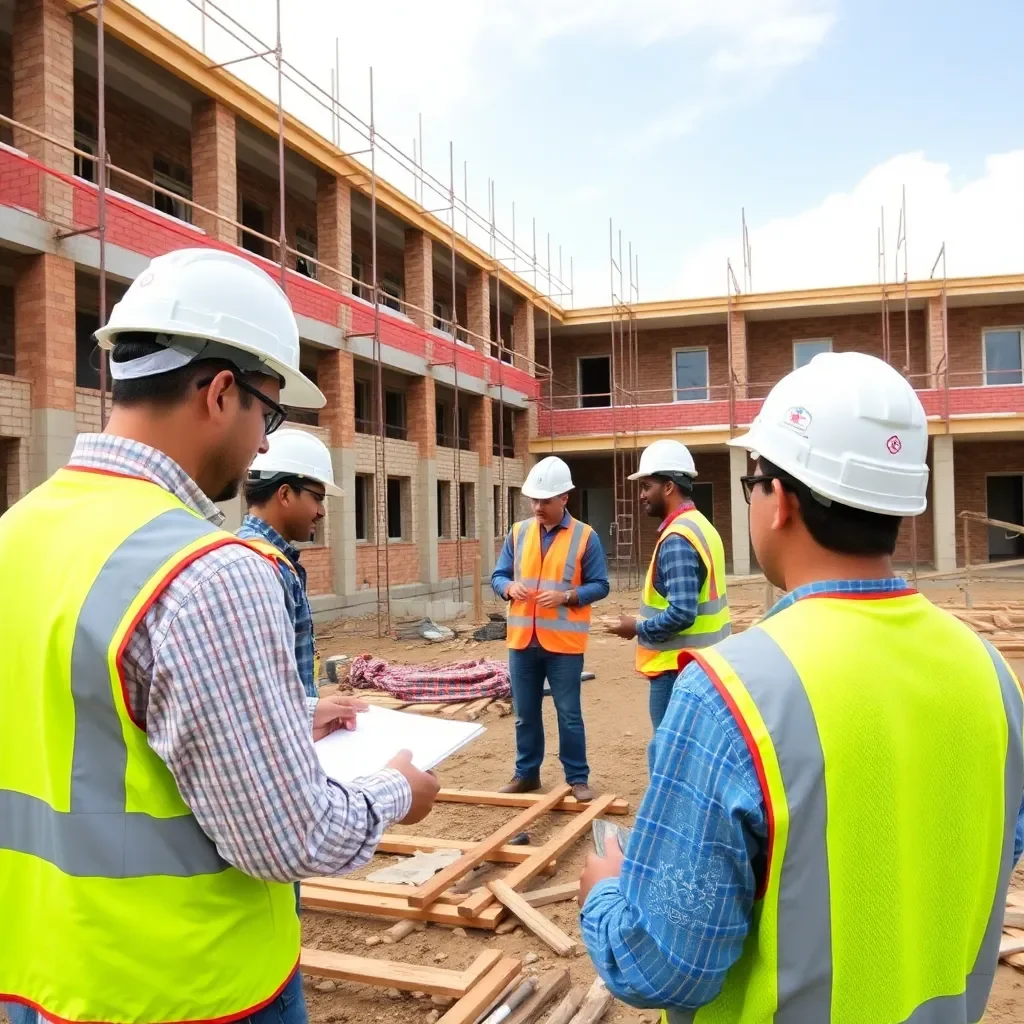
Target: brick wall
{"x": 403, "y": 564}
{"x": 87, "y": 410}
{"x": 6, "y": 93}
{"x": 770, "y": 343}
{"x": 135, "y": 135}
{"x": 966, "y": 325}
{"x": 448, "y": 558}
{"x": 44, "y": 300}
{"x": 15, "y": 407}
{"x": 319, "y": 570}
{"x": 214, "y": 168}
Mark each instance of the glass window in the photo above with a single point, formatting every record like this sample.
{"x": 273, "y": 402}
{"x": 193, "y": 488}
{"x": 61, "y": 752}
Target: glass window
{"x": 395, "y": 508}
{"x": 691, "y": 372}
{"x": 1003, "y": 357}
{"x": 805, "y": 351}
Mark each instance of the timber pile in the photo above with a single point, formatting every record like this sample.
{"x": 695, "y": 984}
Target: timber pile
{"x": 1011, "y": 948}
{"x": 460, "y": 897}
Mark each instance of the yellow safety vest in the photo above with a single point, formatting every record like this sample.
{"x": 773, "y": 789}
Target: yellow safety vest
{"x": 887, "y": 737}
{"x": 565, "y": 628}
{"x": 713, "y": 620}
{"x": 116, "y": 906}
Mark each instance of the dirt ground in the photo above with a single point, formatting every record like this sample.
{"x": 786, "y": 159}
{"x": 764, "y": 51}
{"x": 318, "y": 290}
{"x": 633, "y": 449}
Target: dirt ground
{"x": 618, "y": 729}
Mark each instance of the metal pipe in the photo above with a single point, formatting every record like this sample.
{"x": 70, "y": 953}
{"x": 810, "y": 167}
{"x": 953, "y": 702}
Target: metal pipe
{"x": 101, "y": 196}
{"x": 455, "y": 370}
{"x": 283, "y": 241}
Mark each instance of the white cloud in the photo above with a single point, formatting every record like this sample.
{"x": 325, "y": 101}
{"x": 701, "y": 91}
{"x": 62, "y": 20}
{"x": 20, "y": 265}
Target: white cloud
{"x": 836, "y": 241}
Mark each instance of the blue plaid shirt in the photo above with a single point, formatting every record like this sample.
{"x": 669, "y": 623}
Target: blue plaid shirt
{"x": 666, "y": 932}
{"x": 295, "y": 593}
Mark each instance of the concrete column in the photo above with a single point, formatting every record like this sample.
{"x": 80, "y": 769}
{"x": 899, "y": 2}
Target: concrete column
{"x": 740, "y": 513}
{"x": 419, "y": 277}
{"x": 481, "y": 441}
{"x": 738, "y": 327}
{"x": 935, "y": 337}
{"x": 334, "y": 229}
{"x": 43, "y": 88}
{"x": 478, "y": 309}
{"x": 214, "y": 168}
{"x": 423, "y": 432}
{"x": 335, "y": 378}
{"x": 44, "y": 324}
{"x": 943, "y": 503}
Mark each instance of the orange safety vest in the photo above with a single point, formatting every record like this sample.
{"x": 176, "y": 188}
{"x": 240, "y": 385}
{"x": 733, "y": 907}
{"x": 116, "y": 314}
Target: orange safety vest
{"x": 561, "y": 630}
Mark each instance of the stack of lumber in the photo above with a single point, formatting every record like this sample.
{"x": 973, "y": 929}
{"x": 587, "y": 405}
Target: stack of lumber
{"x": 1011, "y": 948}
{"x": 467, "y": 710}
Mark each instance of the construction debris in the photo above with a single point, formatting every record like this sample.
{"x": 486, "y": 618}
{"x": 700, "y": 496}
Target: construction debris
{"x": 417, "y": 869}
{"x": 425, "y": 629}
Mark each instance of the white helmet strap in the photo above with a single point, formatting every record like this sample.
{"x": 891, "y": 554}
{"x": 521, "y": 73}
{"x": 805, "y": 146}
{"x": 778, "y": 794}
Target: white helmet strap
{"x": 178, "y": 351}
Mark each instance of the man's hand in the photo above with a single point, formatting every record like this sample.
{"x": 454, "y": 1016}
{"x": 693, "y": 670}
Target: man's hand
{"x": 551, "y": 598}
{"x": 517, "y": 592}
{"x": 595, "y": 868}
{"x": 625, "y": 627}
{"x": 424, "y": 786}
{"x": 335, "y": 712}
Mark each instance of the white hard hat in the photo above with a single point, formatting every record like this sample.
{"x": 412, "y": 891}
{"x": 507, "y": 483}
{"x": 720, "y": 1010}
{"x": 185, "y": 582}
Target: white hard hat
{"x": 665, "y": 456}
{"x": 549, "y": 478}
{"x": 852, "y": 429}
{"x": 296, "y": 453}
{"x": 208, "y": 303}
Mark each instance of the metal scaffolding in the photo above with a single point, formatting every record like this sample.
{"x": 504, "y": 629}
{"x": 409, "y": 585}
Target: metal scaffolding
{"x": 503, "y": 249}
{"x": 625, "y": 376}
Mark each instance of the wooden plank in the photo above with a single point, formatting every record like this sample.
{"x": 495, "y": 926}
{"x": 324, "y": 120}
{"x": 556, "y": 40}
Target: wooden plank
{"x": 395, "y": 842}
{"x": 396, "y": 909}
{"x": 426, "y": 893}
{"x": 474, "y": 709}
{"x": 551, "y": 986}
{"x": 551, "y": 850}
{"x": 478, "y": 998}
{"x": 454, "y": 709}
{"x": 1011, "y": 943}
{"x": 547, "y": 931}
{"x": 378, "y": 888}
{"x": 552, "y": 894}
{"x": 492, "y": 799}
{"x": 1013, "y": 919}
{"x": 390, "y": 974}
{"x": 595, "y": 1005}
{"x": 566, "y": 1009}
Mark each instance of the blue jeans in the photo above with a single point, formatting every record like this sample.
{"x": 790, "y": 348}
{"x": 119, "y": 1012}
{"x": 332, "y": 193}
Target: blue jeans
{"x": 528, "y": 670}
{"x": 660, "y": 695}
{"x": 288, "y": 1008}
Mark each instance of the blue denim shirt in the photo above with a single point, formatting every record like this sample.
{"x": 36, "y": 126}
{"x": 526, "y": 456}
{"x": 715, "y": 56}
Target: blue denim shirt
{"x": 666, "y": 932}
{"x": 295, "y": 591}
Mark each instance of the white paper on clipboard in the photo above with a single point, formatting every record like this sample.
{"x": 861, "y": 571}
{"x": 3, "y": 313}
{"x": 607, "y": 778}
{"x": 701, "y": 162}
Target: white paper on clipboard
{"x": 381, "y": 733}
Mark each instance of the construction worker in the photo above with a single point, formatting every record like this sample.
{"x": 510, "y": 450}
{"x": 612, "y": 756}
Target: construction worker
{"x": 835, "y": 804}
{"x": 159, "y": 791}
{"x": 285, "y": 494}
{"x": 551, "y": 570}
{"x": 683, "y": 604}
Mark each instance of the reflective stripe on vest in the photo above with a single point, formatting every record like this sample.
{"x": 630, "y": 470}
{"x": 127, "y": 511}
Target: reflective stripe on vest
{"x": 713, "y": 621}
{"x": 97, "y": 849}
{"x": 563, "y": 629}
{"x": 808, "y": 958}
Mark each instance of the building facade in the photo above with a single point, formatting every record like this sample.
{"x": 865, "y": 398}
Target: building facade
{"x": 431, "y": 461}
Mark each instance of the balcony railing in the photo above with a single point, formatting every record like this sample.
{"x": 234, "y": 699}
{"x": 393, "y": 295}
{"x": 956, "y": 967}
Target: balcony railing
{"x": 944, "y": 396}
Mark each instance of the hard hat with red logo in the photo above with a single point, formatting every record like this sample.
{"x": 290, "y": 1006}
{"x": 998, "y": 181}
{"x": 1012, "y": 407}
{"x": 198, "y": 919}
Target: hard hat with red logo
{"x": 852, "y": 429}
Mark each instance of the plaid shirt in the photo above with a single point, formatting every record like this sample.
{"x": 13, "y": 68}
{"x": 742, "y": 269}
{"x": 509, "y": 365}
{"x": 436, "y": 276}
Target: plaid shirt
{"x": 667, "y": 931}
{"x": 294, "y": 578}
{"x": 210, "y": 670}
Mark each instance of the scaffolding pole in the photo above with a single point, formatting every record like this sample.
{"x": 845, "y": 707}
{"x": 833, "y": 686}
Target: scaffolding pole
{"x": 101, "y": 196}
{"x": 457, "y": 433}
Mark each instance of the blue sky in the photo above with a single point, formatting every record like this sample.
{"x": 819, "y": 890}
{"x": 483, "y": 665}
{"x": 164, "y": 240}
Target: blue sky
{"x": 669, "y": 115}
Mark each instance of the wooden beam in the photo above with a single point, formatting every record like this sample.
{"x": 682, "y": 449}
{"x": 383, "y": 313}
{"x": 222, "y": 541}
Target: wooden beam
{"x": 552, "y": 894}
{"x": 396, "y": 909}
{"x": 395, "y": 842}
{"x": 378, "y": 888}
{"x": 389, "y": 974}
{"x": 566, "y": 1009}
{"x": 492, "y": 799}
{"x": 426, "y": 893}
{"x": 468, "y": 1009}
{"x": 547, "y": 931}
{"x": 595, "y": 1004}
{"x": 551, "y": 986}
{"x": 551, "y": 850}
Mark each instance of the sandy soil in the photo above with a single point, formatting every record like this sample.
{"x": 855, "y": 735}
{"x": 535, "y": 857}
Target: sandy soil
{"x": 618, "y": 729}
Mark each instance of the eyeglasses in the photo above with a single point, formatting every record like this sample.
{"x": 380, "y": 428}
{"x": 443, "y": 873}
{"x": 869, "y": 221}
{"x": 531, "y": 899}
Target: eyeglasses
{"x": 274, "y": 415}
{"x": 750, "y": 482}
{"x": 318, "y": 496}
